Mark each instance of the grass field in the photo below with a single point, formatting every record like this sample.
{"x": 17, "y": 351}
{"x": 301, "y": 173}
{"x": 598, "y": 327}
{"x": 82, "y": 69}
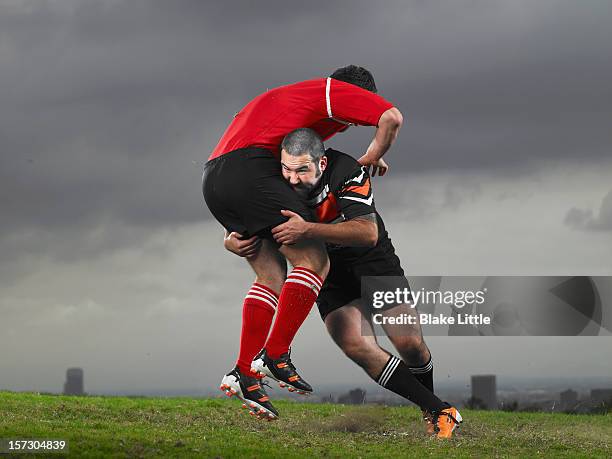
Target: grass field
{"x": 179, "y": 427}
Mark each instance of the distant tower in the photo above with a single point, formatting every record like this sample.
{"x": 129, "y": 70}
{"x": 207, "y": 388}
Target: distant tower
{"x": 568, "y": 399}
{"x": 484, "y": 388}
{"x": 74, "y": 382}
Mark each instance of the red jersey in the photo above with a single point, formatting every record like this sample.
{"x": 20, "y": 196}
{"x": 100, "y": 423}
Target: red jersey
{"x": 325, "y": 105}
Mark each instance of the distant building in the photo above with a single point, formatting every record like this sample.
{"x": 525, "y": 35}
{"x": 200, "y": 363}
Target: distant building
{"x": 484, "y": 390}
{"x": 601, "y": 396}
{"x": 568, "y": 400}
{"x": 354, "y": 397}
{"x": 74, "y": 382}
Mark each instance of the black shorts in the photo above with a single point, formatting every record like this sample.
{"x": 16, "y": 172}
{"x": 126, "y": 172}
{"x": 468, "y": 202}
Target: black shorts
{"x": 343, "y": 283}
{"x": 245, "y": 191}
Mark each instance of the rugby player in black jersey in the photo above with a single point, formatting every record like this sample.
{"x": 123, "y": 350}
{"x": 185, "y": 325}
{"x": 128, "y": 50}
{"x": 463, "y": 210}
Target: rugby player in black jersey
{"x": 339, "y": 192}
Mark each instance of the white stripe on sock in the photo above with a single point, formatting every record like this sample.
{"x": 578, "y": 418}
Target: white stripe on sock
{"x": 424, "y": 369}
{"x": 304, "y": 276}
{"x": 388, "y": 371}
{"x": 305, "y": 272}
{"x": 394, "y": 365}
{"x": 264, "y": 289}
{"x": 263, "y": 299}
{"x": 262, "y": 292}
{"x": 386, "y": 367}
{"x": 385, "y": 371}
{"x": 307, "y": 284}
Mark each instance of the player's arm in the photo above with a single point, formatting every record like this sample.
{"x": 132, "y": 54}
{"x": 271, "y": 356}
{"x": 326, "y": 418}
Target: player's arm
{"x": 360, "y": 231}
{"x": 354, "y": 105}
{"x": 388, "y": 128}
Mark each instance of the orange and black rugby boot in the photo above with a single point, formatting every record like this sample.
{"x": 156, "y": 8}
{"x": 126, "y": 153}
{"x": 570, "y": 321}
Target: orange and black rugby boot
{"x": 281, "y": 370}
{"x": 252, "y": 393}
{"x": 446, "y": 421}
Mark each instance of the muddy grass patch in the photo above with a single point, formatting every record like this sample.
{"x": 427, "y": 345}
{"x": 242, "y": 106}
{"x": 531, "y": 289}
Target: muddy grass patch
{"x": 357, "y": 420}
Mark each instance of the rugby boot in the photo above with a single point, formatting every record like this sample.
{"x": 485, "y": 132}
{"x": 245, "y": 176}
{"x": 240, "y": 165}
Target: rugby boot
{"x": 446, "y": 421}
{"x": 252, "y": 393}
{"x": 281, "y": 370}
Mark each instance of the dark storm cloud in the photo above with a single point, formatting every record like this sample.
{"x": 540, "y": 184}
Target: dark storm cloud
{"x": 585, "y": 219}
{"x": 105, "y": 105}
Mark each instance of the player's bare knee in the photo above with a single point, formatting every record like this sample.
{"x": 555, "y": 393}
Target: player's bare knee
{"x": 272, "y": 276}
{"x": 274, "y": 282}
{"x": 320, "y": 260}
{"x": 308, "y": 254}
{"x": 408, "y": 343}
{"x": 270, "y": 271}
{"x": 358, "y": 349}
{"x": 412, "y": 349}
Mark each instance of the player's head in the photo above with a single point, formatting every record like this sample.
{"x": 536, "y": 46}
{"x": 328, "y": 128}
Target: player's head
{"x": 356, "y": 75}
{"x": 303, "y": 159}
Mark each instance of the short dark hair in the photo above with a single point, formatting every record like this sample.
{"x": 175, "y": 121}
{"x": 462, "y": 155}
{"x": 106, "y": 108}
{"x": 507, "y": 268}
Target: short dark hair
{"x": 356, "y": 75}
{"x": 303, "y": 140}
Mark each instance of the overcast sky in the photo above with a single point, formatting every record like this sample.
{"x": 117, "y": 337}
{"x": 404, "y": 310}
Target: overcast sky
{"x": 109, "y": 259}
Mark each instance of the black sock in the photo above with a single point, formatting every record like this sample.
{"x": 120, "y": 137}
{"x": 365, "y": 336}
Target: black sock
{"x": 424, "y": 374}
{"x": 396, "y": 377}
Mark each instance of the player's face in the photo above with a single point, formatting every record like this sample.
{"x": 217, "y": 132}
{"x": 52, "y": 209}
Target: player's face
{"x": 302, "y": 172}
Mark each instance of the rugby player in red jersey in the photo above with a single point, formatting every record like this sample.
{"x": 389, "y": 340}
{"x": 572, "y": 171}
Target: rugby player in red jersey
{"x": 339, "y": 191}
{"x": 244, "y": 189}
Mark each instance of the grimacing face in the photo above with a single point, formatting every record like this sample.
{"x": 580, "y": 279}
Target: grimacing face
{"x": 302, "y": 172}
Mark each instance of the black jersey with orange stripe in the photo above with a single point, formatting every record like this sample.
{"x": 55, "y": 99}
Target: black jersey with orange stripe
{"x": 344, "y": 193}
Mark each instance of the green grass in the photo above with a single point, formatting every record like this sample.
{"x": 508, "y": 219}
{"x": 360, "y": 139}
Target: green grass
{"x": 179, "y": 427}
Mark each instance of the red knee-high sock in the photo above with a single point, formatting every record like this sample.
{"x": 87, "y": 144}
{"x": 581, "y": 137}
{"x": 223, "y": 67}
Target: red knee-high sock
{"x": 295, "y": 302}
{"x": 257, "y": 313}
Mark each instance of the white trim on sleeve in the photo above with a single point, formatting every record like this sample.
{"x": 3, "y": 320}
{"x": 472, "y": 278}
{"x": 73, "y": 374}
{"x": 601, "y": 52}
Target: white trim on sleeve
{"x": 327, "y": 99}
{"x": 367, "y": 202}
